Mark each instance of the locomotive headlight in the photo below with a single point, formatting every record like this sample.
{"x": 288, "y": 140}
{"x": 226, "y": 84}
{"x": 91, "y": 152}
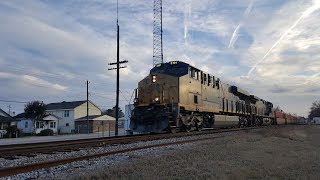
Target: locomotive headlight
{"x": 136, "y": 100}
{"x": 157, "y": 99}
{"x": 154, "y": 78}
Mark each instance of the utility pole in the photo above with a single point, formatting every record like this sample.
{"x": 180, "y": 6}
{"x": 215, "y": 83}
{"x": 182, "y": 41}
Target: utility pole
{"x": 118, "y": 74}
{"x": 88, "y": 106}
{"x": 9, "y": 109}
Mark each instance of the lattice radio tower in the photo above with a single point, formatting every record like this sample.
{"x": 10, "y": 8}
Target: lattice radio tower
{"x": 157, "y": 33}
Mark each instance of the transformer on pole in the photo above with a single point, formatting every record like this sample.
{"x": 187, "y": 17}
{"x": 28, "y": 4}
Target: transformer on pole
{"x": 157, "y": 33}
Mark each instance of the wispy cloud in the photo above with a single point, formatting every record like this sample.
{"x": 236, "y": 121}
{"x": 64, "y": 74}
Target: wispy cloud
{"x": 33, "y": 81}
{"x": 187, "y": 15}
{"x": 305, "y": 14}
{"x": 244, "y": 17}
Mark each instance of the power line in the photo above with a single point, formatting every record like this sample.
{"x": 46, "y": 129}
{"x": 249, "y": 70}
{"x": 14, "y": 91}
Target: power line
{"x": 12, "y": 101}
{"x": 124, "y": 96}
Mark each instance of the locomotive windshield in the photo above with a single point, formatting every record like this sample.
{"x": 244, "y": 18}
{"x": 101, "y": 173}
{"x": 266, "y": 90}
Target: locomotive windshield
{"x": 173, "y": 68}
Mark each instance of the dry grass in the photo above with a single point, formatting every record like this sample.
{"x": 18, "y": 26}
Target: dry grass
{"x": 280, "y": 153}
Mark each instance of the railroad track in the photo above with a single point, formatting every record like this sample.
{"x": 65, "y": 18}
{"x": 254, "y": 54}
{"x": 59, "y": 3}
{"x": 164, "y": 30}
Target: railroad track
{"x": 17, "y": 150}
{"x": 30, "y": 149}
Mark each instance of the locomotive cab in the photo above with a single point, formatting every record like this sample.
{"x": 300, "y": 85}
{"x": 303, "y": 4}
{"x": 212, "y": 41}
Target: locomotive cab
{"x": 156, "y": 102}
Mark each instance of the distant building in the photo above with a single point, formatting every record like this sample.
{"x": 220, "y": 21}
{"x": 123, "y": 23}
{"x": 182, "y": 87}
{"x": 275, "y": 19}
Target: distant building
{"x": 5, "y": 121}
{"x": 316, "y": 120}
{"x": 127, "y": 117}
{"x": 23, "y": 123}
{"x": 302, "y": 120}
{"x": 97, "y": 123}
{"x": 49, "y": 121}
{"x": 68, "y": 112}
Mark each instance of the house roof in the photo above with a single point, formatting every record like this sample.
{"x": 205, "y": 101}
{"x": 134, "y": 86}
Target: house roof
{"x": 21, "y": 115}
{"x": 47, "y": 117}
{"x": 67, "y": 105}
{"x": 5, "y": 117}
{"x": 94, "y": 117}
{"x": 90, "y": 117}
{"x": 64, "y": 105}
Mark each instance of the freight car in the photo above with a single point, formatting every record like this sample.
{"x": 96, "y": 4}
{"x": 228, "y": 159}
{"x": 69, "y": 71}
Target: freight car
{"x": 285, "y": 118}
{"x": 281, "y": 117}
{"x": 177, "y": 96}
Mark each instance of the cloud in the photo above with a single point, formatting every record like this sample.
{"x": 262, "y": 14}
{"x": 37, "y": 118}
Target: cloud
{"x": 279, "y": 89}
{"x": 31, "y": 80}
{"x": 305, "y": 14}
{"x": 42, "y": 83}
{"x": 60, "y": 45}
{"x": 235, "y": 34}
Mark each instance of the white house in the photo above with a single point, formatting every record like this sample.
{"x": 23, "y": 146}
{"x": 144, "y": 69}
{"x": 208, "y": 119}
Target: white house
{"x": 49, "y": 121}
{"x": 25, "y": 124}
{"x": 68, "y": 112}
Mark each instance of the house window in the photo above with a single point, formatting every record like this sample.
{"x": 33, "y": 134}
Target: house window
{"x": 52, "y": 124}
{"x": 37, "y": 125}
{"x": 66, "y": 113}
{"x": 5, "y": 125}
{"x": 26, "y": 124}
{"x": 67, "y": 124}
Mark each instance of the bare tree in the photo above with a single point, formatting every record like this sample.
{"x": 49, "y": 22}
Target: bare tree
{"x": 314, "y": 110}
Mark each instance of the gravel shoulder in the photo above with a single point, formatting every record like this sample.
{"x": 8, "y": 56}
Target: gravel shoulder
{"x": 291, "y": 152}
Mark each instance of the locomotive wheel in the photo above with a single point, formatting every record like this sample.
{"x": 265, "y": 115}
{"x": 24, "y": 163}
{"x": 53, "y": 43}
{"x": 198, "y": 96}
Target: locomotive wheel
{"x": 174, "y": 130}
{"x": 198, "y": 127}
{"x": 243, "y": 123}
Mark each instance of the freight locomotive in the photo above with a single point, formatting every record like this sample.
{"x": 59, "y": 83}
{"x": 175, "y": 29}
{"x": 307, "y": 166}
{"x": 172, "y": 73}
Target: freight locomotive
{"x": 176, "y": 96}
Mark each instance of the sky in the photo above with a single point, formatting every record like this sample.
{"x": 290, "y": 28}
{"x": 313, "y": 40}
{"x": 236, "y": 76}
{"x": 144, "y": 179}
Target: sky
{"x": 49, "y": 49}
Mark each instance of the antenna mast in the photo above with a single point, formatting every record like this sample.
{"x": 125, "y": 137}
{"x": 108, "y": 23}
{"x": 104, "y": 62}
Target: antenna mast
{"x": 157, "y": 33}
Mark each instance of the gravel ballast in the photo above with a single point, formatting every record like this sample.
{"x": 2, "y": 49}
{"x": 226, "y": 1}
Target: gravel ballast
{"x": 274, "y": 153}
{"x": 94, "y": 163}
